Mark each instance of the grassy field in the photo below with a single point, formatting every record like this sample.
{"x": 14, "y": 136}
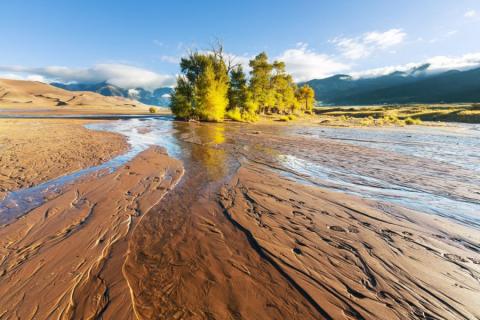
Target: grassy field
{"x": 400, "y": 114}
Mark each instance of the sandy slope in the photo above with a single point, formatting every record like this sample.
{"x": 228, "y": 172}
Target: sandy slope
{"x": 18, "y": 96}
{"x": 34, "y": 151}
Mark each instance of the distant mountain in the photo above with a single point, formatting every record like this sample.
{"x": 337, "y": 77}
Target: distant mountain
{"x": 414, "y": 86}
{"x": 157, "y": 97}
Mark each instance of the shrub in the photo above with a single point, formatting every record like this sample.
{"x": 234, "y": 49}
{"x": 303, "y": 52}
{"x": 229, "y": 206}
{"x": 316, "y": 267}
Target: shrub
{"x": 475, "y": 106}
{"x": 250, "y": 116}
{"x": 234, "y": 115}
{"x": 410, "y": 121}
{"x": 292, "y": 117}
{"x": 368, "y": 121}
{"x": 152, "y": 110}
{"x": 284, "y": 119}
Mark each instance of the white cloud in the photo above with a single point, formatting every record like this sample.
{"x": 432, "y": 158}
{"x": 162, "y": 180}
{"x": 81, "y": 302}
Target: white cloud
{"x": 170, "y": 59}
{"x": 451, "y": 33}
{"x": 241, "y": 60}
{"x": 121, "y": 75}
{"x": 435, "y": 64}
{"x": 470, "y": 14}
{"x": 133, "y": 93}
{"x": 368, "y": 43}
{"x": 306, "y": 64}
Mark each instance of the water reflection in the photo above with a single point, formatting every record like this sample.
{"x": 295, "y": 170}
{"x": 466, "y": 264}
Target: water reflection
{"x": 207, "y": 148}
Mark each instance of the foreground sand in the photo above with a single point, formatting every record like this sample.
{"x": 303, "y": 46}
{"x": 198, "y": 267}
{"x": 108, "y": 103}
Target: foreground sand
{"x": 64, "y": 259}
{"x": 355, "y": 260}
{"x": 34, "y": 151}
{"x": 231, "y": 237}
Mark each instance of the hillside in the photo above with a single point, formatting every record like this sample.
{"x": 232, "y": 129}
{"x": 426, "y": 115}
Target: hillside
{"x": 414, "y": 86}
{"x": 32, "y": 96}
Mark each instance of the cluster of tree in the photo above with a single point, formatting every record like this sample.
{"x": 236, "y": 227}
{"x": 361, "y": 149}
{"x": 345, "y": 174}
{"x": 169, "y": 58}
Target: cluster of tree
{"x": 211, "y": 87}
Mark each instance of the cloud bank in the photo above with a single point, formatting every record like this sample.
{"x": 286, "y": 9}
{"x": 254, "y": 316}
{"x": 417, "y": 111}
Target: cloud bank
{"x": 305, "y": 64}
{"x": 435, "y": 64}
{"x": 368, "y": 43}
{"x": 121, "y": 75}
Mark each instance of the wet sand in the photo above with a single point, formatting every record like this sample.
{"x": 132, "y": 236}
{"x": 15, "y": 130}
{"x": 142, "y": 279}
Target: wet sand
{"x": 65, "y": 259}
{"x": 353, "y": 259}
{"x": 34, "y": 151}
{"x": 233, "y": 231}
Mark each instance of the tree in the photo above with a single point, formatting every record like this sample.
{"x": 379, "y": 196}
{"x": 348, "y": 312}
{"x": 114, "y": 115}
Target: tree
{"x": 182, "y": 101}
{"x": 211, "y": 87}
{"x": 283, "y": 89}
{"x": 201, "y": 91}
{"x": 260, "y": 87}
{"x": 211, "y": 94}
{"x": 306, "y": 98}
{"x": 238, "y": 90}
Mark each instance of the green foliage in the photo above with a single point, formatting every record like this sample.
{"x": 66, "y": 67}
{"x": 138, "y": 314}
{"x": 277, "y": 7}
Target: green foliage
{"x": 411, "y": 121}
{"x": 201, "y": 91}
{"x": 208, "y": 90}
{"x": 211, "y": 94}
{"x": 182, "y": 101}
{"x": 306, "y": 98}
{"x": 260, "y": 88}
{"x": 283, "y": 89}
{"x": 234, "y": 114}
{"x": 238, "y": 90}
{"x": 152, "y": 110}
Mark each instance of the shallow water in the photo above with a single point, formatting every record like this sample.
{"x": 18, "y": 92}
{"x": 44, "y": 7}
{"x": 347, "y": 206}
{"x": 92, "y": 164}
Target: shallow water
{"x": 21, "y": 201}
{"x": 456, "y": 148}
{"x": 208, "y": 146}
{"x": 456, "y": 144}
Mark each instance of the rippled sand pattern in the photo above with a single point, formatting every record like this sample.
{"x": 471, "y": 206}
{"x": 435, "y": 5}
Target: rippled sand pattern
{"x": 64, "y": 260}
{"x": 250, "y": 222}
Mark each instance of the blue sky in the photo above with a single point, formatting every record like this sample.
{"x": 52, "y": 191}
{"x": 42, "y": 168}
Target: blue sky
{"x": 133, "y": 43}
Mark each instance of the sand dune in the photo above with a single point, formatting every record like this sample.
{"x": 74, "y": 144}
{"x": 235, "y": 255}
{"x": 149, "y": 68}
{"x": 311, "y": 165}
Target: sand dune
{"x": 31, "y": 96}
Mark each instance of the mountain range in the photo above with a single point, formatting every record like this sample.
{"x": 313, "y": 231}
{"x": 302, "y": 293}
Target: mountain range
{"x": 157, "y": 97}
{"x": 417, "y": 85}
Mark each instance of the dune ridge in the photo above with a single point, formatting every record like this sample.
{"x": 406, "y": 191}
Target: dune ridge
{"x": 24, "y": 97}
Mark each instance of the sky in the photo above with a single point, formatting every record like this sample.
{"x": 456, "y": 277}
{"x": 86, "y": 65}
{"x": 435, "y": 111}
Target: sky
{"x": 139, "y": 43}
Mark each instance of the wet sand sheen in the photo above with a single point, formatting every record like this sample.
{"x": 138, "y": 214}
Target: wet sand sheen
{"x": 65, "y": 258}
{"x": 189, "y": 262}
{"x": 35, "y": 151}
{"x": 237, "y": 239}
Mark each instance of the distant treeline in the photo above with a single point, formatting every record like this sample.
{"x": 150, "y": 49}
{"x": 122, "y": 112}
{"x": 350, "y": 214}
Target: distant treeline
{"x": 211, "y": 87}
